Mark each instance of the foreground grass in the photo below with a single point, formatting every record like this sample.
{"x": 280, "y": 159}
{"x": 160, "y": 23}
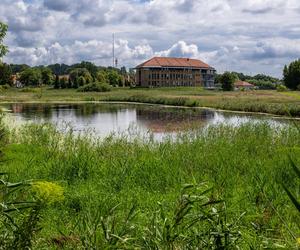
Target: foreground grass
{"x": 122, "y": 194}
{"x": 266, "y": 101}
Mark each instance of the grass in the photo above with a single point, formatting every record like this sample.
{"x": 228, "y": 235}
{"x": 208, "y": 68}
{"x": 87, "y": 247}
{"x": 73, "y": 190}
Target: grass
{"x": 266, "y": 101}
{"x": 220, "y": 188}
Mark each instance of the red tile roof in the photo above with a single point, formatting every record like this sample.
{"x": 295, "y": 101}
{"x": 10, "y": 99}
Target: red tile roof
{"x": 173, "y": 62}
{"x": 243, "y": 84}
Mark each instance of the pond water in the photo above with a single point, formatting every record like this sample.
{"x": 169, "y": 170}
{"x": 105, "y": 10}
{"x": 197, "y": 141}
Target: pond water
{"x": 103, "y": 119}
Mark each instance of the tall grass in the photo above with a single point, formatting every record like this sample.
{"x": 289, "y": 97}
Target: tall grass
{"x": 122, "y": 194}
{"x": 234, "y": 104}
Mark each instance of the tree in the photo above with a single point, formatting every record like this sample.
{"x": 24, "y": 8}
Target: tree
{"x": 291, "y": 75}
{"x": 70, "y": 84}
{"x": 63, "y": 83}
{"x": 47, "y": 76}
{"x": 227, "y": 80}
{"x": 18, "y": 68}
{"x": 123, "y": 71}
{"x": 81, "y": 81}
{"x": 114, "y": 78}
{"x": 76, "y": 73}
{"x": 5, "y": 74}
{"x": 92, "y": 68}
{"x": 102, "y": 76}
{"x": 56, "y": 82}
{"x": 31, "y": 77}
{"x": 59, "y": 69}
{"x": 3, "y": 48}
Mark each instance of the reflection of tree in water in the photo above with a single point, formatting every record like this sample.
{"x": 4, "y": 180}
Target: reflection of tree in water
{"x": 29, "y": 110}
{"x": 155, "y": 118}
{"x": 172, "y": 120}
{"x": 89, "y": 110}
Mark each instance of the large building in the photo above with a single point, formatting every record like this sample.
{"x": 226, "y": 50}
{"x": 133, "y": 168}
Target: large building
{"x": 171, "y": 72}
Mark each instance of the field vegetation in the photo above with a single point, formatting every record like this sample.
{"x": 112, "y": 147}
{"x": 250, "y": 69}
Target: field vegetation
{"x": 219, "y": 188}
{"x": 266, "y": 101}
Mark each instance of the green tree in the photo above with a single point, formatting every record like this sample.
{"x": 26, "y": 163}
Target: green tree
{"x": 70, "y": 84}
{"x": 123, "y": 71}
{"x": 31, "y": 77}
{"x": 47, "y": 76}
{"x": 227, "y": 80}
{"x": 3, "y": 48}
{"x": 78, "y": 72}
{"x": 76, "y": 84}
{"x": 102, "y": 76}
{"x": 56, "y": 82}
{"x": 5, "y": 74}
{"x": 63, "y": 83}
{"x": 291, "y": 75}
{"x": 81, "y": 81}
{"x": 59, "y": 69}
{"x": 92, "y": 68}
{"x": 114, "y": 78}
{"x": 18, "y": 68}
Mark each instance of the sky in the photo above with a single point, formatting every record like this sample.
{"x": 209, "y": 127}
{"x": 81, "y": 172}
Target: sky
{"x": 249, "y": 36}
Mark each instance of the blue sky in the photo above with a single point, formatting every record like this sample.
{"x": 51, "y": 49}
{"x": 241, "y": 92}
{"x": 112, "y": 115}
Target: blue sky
{"x": 250, "y": 36}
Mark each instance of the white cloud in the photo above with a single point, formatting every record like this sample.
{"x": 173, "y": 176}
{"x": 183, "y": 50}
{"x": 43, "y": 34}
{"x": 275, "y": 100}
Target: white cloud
{"x": 181, "y": 49}
{"x": 228, "y": 34}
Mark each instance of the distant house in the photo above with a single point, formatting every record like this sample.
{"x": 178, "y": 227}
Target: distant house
{"x": 243, "y": 85}
{"x": 171, "y": 72}
{"x": 15, "y": 81}
{"x": 65, "y": 77}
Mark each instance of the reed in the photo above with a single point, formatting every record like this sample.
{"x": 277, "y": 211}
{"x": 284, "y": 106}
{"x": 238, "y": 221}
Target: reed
{"x": 218, "y": 188}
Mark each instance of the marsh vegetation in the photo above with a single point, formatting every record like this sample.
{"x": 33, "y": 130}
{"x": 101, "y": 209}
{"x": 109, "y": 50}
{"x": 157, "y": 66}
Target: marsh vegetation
{"x": 219, "y": 188}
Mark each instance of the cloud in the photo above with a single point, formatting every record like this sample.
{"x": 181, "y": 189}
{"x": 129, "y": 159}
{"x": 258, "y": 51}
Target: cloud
{"x": 181, "y": 49}
{"x": 78, "y": 51}
{"x": 258, "y": 11}
{"x": 58, "y": 5}
{"x": 276, "y": 48}
{"x": 229, "y": 34}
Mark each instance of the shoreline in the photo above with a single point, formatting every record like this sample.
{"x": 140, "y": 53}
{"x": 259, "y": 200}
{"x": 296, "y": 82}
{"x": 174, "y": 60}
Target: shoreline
{"x": 274, "y": 116}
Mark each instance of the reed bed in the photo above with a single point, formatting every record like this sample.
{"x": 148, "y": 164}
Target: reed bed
{"x": 218, "y": 188}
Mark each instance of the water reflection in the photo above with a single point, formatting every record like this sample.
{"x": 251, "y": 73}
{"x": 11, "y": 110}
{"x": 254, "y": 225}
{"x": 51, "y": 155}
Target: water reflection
{"x": 161, "y": 120}
{"x": 105, "y": 119}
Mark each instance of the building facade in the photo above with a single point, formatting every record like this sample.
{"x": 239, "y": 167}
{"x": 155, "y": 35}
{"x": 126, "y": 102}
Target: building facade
{"x": 172, "y": 72}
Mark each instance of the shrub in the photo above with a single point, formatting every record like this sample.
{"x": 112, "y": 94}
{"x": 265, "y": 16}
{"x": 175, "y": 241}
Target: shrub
{"x": 281, "y": 88}
{"x": 31, "y": 77}
{"x": 29, "y": 90}
{"x": 95, "y": 87}
{"x": 227, "y": 80}
{"x": 4, "y": 87}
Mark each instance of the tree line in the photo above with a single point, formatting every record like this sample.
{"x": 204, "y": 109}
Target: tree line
{"x": 291, "y": 79}
{"x": 65, "y": 76}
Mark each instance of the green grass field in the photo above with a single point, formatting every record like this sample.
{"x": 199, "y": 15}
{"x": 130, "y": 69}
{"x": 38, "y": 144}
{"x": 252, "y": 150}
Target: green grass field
{"x": 265, "y": 101}
{"x": 220, "y": 190}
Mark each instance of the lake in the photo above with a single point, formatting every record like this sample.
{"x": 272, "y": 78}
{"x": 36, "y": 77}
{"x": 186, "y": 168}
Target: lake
{"x": 105, "y": 119}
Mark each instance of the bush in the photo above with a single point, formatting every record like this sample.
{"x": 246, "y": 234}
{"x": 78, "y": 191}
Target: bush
{"x": 281, "y": 88}
{"x": 31, "y": 77}
{"x": 227, "y": 80}
{"x": 29, "y": 90}
{"x": 4, "y": 87}
{"x": 95, "y": 87}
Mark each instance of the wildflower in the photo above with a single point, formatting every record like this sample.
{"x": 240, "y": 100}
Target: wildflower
{"x": 48, "y": 192}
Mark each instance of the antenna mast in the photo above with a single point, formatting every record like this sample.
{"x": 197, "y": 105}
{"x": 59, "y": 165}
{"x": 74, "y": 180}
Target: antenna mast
{"x": 113, "y": 50}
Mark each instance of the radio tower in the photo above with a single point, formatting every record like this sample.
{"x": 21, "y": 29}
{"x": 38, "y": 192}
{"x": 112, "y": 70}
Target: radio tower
{"x": 113, "y": 50}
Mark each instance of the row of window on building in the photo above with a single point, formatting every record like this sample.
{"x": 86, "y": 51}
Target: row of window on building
{"x": 171, "y": 83}
{"x": 173, "y": 76}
